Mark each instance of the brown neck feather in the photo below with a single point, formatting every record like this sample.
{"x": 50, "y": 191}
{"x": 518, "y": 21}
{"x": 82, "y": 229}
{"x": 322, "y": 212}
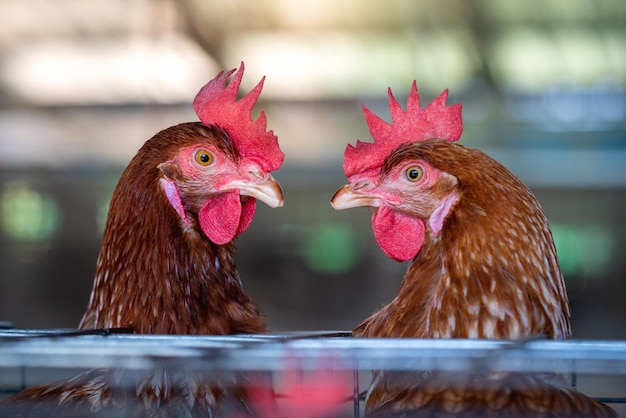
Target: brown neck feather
{"x": 491, "y": 273}
{"x": 159, "y": 277}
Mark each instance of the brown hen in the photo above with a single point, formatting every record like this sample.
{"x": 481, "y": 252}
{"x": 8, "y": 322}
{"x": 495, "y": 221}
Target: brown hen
{"x": 167, "y": 265}
{"x": 484, "y": 265}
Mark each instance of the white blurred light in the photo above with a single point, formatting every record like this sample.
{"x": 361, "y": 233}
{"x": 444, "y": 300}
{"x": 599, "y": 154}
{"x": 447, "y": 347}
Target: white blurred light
{"x": 170, "y": 69}
{"x": 333, "y": 64}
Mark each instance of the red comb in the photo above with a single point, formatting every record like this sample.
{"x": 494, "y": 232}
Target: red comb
{"x": 416, "y": 124}
{"x": 217, "y": 104}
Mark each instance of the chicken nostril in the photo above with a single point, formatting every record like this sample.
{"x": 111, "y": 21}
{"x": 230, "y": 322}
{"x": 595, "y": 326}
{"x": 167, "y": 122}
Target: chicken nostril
{"x": 360, "y": 184}
{"x": 257, "y": 173}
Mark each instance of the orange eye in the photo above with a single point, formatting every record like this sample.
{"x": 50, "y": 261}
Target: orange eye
{"x": 414, "y": 173}
{"x": 204, "y": 157}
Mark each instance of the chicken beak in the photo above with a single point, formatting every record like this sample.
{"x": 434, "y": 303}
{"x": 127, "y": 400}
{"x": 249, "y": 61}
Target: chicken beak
{"x": 346, "y": 197}
{"x": 267, "y": 190}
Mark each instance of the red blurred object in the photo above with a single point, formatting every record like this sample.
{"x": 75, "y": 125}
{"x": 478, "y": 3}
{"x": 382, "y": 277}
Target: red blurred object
{"x": 320, "y": 393}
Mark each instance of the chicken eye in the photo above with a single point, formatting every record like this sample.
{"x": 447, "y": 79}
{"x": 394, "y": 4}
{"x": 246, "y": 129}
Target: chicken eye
{"x": 204, "y": 157}
{"x": 414, "y": 173}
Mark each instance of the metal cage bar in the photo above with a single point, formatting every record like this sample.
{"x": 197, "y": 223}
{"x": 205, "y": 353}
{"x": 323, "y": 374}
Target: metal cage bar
{"x": 26, "y": 351}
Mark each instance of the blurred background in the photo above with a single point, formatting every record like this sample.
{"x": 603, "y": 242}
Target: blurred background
{"x": 83, "y": 83}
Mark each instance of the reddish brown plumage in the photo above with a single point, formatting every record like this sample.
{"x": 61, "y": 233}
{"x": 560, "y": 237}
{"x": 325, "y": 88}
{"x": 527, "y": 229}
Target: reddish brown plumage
{"x": 164, "y": 392}
{"x": 166, "y": 265}
{"x": 492, "y": 272}
{"x": 158, "y": 274}
{"x": 484, "y": 266}
{"x": 155, "y": 275}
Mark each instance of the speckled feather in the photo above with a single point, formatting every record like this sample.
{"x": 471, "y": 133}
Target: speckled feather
{"x": 166, "y": 265}
{"x": 491, "y": 272}
{"x": 157, "y": 275}
{"x": 450, "y": 395}
{"x": 173, "y": 392}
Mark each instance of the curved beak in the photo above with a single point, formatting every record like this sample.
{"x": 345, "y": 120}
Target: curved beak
{"x": 346, "y": 197}
{"x": 267, "y": 190}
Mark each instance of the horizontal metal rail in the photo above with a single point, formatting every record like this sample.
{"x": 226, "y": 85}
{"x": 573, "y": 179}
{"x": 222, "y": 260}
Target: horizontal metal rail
{"x": 22, "y": 350}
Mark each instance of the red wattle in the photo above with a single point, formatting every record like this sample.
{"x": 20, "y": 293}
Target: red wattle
{"x": 223, "y": 217}
{"x": 247, "y": 213}
{"x": 399, "y": 236}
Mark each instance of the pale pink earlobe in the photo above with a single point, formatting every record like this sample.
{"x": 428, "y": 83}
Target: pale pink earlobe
{"x": 440, "y": 214}
{"x": 171, "y": 192}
